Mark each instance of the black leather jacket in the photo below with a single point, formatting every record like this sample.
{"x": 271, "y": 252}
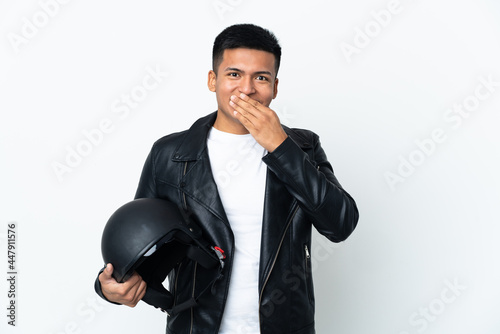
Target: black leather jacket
{"x": 301, "y": 192}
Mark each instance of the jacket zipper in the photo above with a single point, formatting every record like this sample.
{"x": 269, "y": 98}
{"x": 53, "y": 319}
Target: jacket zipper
{"x": 194, "y": 285}
{"x": 196, "y": 263}
{"x": 183, "y": 193}
{"x": 276, "y": 257}
{"x": 307, "y": 270}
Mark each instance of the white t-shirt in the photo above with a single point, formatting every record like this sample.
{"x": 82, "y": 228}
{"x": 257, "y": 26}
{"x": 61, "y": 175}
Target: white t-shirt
{"x": 240, "y": 175}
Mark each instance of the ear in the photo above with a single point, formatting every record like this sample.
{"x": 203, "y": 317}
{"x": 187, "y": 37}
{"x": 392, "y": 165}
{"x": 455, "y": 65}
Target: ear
{"x": 275, "y": 92}
{"x": 212, "y": 79}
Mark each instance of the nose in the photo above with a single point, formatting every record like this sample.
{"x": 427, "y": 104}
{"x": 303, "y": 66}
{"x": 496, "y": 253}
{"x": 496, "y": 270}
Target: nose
{"x": 246, "y": 86}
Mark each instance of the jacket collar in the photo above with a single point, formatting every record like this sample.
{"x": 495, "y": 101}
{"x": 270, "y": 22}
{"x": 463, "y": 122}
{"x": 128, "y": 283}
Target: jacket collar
{"x": 195, "y": 141}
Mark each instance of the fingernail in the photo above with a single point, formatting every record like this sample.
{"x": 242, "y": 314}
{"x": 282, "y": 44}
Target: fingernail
{"x": 242, "y": 95}
{"x": 233, "y": 97}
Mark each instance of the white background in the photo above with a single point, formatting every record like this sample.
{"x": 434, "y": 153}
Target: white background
{"x": 415, "y": 239}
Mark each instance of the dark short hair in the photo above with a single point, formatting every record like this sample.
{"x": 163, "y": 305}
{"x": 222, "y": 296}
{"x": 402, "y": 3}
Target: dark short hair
{"x": 247, "y": 36}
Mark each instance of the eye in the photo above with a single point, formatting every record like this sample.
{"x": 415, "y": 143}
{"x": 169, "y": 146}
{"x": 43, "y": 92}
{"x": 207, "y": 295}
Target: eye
{"x": 233, "y": 74}
{"x": 262, "y": 78}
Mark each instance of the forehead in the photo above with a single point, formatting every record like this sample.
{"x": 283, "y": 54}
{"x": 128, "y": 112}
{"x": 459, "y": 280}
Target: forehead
{"x": 248, "y": 60}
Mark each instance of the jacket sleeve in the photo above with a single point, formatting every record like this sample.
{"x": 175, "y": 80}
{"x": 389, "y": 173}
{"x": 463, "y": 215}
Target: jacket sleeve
{"x": 312, "y": 182}
{"x": 147, "y": 182}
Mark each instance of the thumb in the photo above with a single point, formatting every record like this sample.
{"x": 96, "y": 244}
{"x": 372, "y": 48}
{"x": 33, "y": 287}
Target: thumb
{"x": 108, "y": 271}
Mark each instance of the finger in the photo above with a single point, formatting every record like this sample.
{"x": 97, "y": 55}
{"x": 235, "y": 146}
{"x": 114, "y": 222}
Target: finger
{"x": 238, "y": 104}
{"x": 254, "y": 103}
{"x": 141, "y": 291}
{"x": 247, "y": 103}
{"x": 135, "y": 291}
{"x": 134, "y": 279}
{"x": 244, "y": 117}
{"x": 243, "y": 109}
{"x": 107, "y": 273}
{"x": 137, "y": 297}
{"x": 109, "y": 269}
{"x": 128, "y": 293}
{"x": 134, "y": 283}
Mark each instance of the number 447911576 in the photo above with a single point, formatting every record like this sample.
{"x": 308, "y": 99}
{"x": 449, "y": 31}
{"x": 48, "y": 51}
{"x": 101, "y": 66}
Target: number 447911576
{"x": 11, "y": 246}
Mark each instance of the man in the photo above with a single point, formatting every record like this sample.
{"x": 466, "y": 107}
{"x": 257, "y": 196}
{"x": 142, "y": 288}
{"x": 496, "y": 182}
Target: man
{"x": 256, "y": 188}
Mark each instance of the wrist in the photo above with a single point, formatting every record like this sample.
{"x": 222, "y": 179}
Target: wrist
{"x": 277, "y": 143}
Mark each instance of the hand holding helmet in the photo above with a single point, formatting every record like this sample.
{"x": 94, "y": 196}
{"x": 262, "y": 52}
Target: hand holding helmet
{"x": 141, "y": 243}
{"x": 128, "y": 293}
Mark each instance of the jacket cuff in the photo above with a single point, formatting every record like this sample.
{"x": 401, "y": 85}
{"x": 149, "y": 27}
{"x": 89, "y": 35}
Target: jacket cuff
{"x": 286, "y": 145}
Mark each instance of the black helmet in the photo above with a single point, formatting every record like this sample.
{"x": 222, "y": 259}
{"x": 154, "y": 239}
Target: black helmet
{"x": 151, "y": 236}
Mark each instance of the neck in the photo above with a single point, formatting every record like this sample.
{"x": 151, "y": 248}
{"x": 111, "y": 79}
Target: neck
{"x": 230, "y": 125}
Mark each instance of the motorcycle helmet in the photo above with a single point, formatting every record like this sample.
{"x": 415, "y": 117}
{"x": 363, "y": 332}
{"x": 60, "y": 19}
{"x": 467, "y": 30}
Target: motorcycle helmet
{"x": 151, "y": 236}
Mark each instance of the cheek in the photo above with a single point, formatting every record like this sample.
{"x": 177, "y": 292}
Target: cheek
{"x": 224, "y": 91}
{"x": 225, "y": 85}
{"x": 220, "y": 88}
{"x": 267, "y": 94}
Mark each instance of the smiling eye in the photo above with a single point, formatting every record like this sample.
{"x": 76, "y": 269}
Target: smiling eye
{"x": 261, "y": 78}
{"x": 233, "y": 74}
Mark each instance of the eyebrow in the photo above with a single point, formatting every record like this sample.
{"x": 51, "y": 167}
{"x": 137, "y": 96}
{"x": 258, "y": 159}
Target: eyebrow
{"x": 228, "y": 69}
